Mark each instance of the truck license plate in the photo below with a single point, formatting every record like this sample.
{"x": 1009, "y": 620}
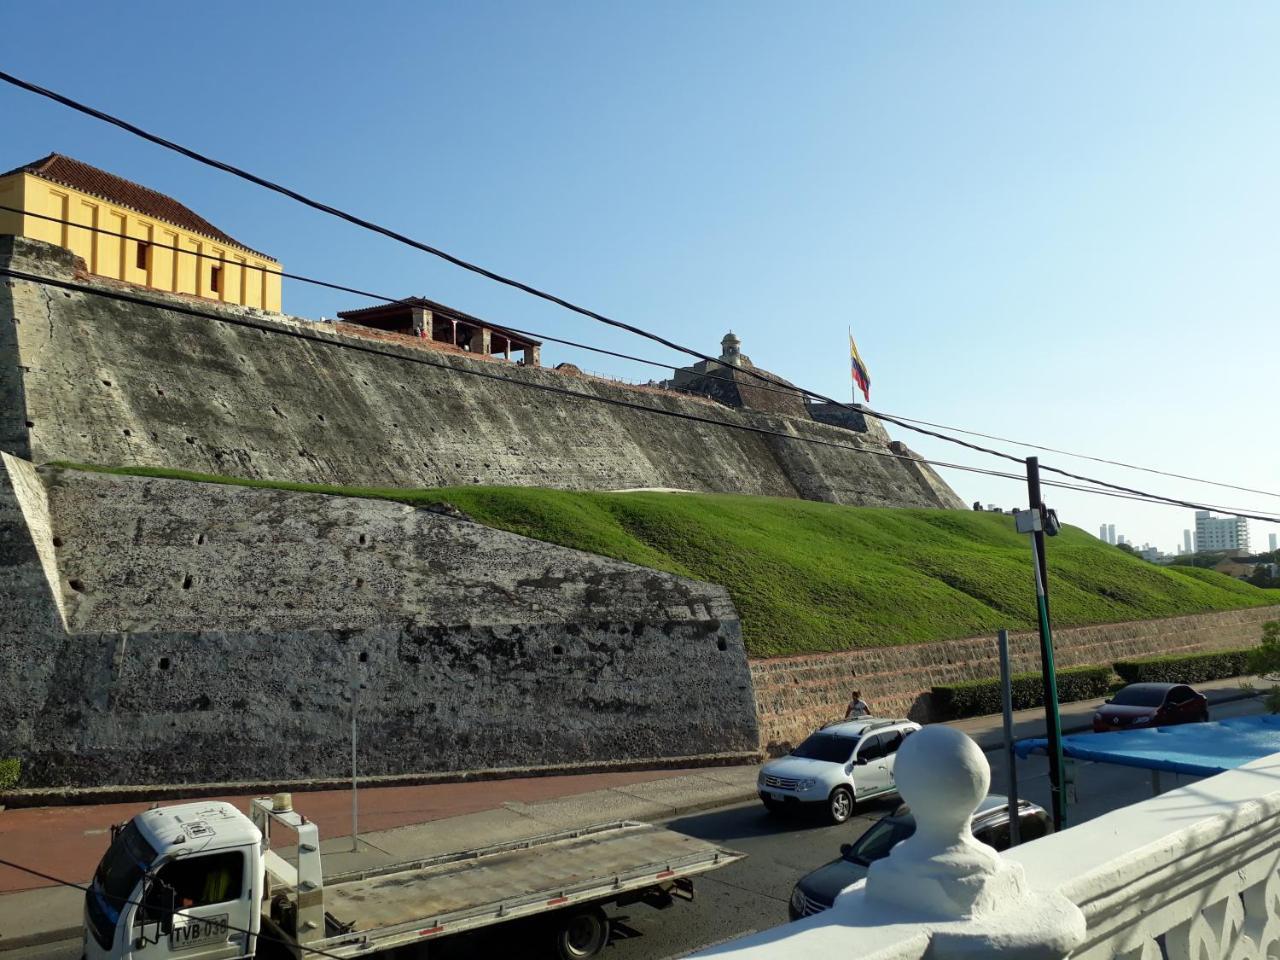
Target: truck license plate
{"x": 191, "y": 932}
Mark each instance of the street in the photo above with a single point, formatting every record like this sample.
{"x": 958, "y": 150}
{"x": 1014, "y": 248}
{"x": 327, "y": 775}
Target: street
{"x": 752, "y": 894}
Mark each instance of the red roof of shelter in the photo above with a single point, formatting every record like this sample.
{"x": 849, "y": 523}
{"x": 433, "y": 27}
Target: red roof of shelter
{"x": 78, "y": 175}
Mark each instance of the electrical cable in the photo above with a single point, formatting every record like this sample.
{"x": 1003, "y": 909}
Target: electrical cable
{"x": 128, "y": 902}
{"x": 518, "y": 284}
{"x": 551, "y": 388}
{"x": 1086, "y": 456}
{"x": 436, "y": 251}
{"x": 770, "y": 386}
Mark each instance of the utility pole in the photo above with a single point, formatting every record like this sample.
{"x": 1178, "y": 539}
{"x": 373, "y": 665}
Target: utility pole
{"x": 1053, "y": 720}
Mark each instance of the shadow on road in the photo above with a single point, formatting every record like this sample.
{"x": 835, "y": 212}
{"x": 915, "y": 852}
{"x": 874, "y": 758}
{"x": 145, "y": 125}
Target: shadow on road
{"x": 753, "y": 820}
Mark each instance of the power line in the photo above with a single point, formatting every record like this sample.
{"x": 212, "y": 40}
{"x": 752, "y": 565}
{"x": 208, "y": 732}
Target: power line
{"x": 128, "y": 902}
{"x": 197, "y": 254}
{"x": 520, "y": 285}
{"x": 436, "y": 251}
{"x": 769, "y": 385}
{"x": 530, "y": 384}
{"x": 563, "y": 391}
{"x": 1085, "y": 456}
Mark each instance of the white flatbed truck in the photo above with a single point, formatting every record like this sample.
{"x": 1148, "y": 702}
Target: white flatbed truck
{"x": 200, "y": 881}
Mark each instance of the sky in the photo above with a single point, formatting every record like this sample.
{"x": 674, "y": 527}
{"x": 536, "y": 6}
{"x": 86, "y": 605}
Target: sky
{"x": 1051, "y": 222}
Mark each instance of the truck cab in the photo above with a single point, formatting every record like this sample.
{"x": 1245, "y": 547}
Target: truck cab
{"x": 177, "y": 883}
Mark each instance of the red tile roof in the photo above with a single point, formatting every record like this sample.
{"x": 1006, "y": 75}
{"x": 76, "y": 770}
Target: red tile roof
{"x": 89, "y": 179}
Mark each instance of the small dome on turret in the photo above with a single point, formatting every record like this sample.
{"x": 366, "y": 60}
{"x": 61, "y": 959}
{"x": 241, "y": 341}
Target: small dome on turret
{"x": 730, "y": 346}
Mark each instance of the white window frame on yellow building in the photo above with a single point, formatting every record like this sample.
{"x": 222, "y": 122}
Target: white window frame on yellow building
{"x": 245, "y": 279}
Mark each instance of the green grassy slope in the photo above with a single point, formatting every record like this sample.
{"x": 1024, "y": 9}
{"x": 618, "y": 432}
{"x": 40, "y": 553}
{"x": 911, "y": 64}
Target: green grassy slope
{"x": 809, "y": 577}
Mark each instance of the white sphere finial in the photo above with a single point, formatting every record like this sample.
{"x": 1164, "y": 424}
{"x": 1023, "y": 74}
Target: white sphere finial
{"x": 941, "y": 870}
{"x": 943, "y": 776}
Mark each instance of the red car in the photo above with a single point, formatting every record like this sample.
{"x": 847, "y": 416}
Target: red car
{"x": 1151, "y": 705}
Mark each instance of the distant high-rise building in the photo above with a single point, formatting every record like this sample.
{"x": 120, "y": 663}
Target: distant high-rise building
{"x": 1120, "y": 539}
{"x": 1111, "y": 533}
{"x": 1221, "y": 533}
{"x": 1186, "y": 542}
{"x": 1102, "y": 533}
{"x": 1271, "y": 542}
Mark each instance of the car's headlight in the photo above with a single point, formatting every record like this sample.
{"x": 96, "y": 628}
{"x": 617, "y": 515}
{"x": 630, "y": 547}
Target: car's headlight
{"x": 797, "y": 900}
{"x": 805, "y": 784}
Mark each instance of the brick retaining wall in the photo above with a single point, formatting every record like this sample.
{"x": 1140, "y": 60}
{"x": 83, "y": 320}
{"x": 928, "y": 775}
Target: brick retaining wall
{"x": 794, "y": 695}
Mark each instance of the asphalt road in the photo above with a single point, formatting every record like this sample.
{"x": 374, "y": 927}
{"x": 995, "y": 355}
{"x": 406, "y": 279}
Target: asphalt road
{"x": 752, "y": 894}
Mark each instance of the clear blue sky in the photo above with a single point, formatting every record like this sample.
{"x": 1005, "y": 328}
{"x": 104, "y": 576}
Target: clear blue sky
{"x": 1050, "y": 221}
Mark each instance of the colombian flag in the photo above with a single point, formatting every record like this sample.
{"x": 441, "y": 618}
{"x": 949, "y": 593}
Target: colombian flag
{"x": 860, "y": 375}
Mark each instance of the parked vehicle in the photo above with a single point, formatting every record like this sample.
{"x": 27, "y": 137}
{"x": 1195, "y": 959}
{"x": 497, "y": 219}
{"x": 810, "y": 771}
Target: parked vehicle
{"x": 836, "y": 767}
{"x": 1151, "y": 705}
{"x": 200, "y": 881}
{"x": 817, "y": 891}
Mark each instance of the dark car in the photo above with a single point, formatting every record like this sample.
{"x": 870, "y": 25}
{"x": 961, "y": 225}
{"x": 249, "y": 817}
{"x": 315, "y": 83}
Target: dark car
{"x": 1151, "y": 705}
{"x": 817, "y": 891}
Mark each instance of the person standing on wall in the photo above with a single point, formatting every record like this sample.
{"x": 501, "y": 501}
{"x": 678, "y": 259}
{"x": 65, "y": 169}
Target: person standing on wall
{"x": 857, "y": 707}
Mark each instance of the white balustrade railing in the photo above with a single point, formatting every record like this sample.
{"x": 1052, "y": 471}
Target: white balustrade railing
{"x": 1193, "y": 874}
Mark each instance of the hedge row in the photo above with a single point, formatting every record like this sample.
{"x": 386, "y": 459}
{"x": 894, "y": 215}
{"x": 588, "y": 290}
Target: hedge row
{"x": 976, "y": 698}
{"x": 1185, "y": 668}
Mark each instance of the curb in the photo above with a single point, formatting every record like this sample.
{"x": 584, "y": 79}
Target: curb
{"x": 126, "y": 793}
{"x": 42, "y": 939}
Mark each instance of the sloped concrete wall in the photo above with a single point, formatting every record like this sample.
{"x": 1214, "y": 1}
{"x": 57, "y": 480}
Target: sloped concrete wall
{"x": 796, "y": 695}
{"x": 91, "y": 380}
{"x": 211, "y": 633}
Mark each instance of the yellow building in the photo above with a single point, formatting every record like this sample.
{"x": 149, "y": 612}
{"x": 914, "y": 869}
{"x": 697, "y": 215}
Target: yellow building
{"x": 138, "y": 230}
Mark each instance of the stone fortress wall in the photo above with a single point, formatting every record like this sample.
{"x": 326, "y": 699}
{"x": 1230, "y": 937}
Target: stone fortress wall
{"x": 91, "y": 380}
{"x": 161, "y": 631}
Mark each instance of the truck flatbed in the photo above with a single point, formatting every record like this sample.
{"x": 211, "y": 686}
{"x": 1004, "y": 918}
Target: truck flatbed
{"x": 402, "y": 903}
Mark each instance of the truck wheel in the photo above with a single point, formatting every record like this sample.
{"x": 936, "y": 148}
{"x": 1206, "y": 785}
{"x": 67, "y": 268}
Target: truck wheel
{"x": 583, "y": 933}
{"x": 275, "y": 944}
{"x": 840, "y": 805}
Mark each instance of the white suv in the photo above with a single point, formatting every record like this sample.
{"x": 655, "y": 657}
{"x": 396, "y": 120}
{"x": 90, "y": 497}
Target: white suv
{"x": 838, "y": 766}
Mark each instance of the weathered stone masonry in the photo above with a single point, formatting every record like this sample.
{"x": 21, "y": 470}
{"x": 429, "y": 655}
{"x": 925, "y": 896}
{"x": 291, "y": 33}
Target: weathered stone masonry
{"x": 479, "y": 649}
{"x": 92, "y": 380}
{"x": 795, "y": 695}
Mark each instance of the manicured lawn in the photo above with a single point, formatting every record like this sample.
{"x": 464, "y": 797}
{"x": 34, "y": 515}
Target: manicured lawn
{"x": 809, "y": 577}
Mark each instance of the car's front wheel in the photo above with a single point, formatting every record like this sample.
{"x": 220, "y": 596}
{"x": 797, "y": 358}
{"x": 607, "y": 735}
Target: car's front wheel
{"x": 840, "y": 805}
{"x": 772, "y": 805}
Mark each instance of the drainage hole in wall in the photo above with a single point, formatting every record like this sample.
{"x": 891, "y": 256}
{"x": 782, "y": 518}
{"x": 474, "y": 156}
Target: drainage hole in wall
{"x": 722, "y": 644}
{"x": 31, "y": 423}
{"x": 200, "y": 540}
{"x": 164, "y": 663}
{"x": 127, "y": 432}
{"x": 276, "y": 410}
{"x": 159, "y": 392}
{"x": 359, "y": 582}
{"x": 364, "y": 656}
{"x": 76, "y": 585}
{"x": 191, "y": 440}
{"x": 186, "y": 582}
{"x": 363, "y": 539}
{"x": 557, "y": 651}
{"x": 320, "y": 417}
{"x": 57, "y": 541}
{"x": 106, "y": 383}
